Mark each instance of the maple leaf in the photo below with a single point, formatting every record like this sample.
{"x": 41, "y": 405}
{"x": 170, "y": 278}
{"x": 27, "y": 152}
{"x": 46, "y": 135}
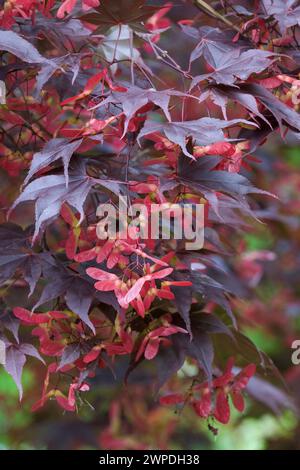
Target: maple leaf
{"x": 197, "y": 345}
{"x": 200, "y": 345}
{"x": 270, "y": 395}
{"x": 286, "y": 12}
{"x": 24, "y": 50}
{"x": 233, "y": 65}
{"x": 221, "y": 94}
{"x": 77, "y": 291}
{"x": 202, "y": 177}
{"x": 135, "y": 98}
{"x": 283, "y": 113}
{"x": 11, "y": 324}
{"x": 50, "y": 192}
{"x": 59, "y": 30}
{"x": 17, "y": 254}
{"x": 205, "y": 131}
{"x": 16, "y": 359}
{"x": 123, "y": 12}
{"x": 70, "y": 354}
{"x": 212, "y": 42}
{"x": 52, "y": 151}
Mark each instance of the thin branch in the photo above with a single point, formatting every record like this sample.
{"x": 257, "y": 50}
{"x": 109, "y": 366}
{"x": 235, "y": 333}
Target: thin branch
{"x": 211, "y": 11}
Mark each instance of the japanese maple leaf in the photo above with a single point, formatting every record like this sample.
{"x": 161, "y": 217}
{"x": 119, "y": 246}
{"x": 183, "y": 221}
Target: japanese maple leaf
{"x": 25, "y": 51}
{"x": 286, "y": 12}
{"x": 52, "y": 151}
{"x": 202, "y": 176}
{"x": 18, "y": 254}
{"x": 70, "y": 355}
{"x": 135, "y": 98}
{"x": 77, "y": 291}
{"x": 123, "y": 12}
{"x": 50, "y": 192}
{"x": 212, "y": 42}
{"x": 220, "y": 95}
{"x": 117, "y": 46}
{"x": 15, "y": 361}
{"x": 204, "y": 130}
{"x": 282, "y": 113}
{"x": 233, "y": 65}
{"x": 21, "y": 48}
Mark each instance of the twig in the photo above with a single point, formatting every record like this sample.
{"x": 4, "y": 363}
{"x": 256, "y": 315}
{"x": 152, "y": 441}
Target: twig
{"x": 211, "y": 11}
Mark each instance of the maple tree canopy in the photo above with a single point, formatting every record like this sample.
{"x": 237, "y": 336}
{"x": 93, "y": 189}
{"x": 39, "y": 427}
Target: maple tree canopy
{"x": 161, "y": 104}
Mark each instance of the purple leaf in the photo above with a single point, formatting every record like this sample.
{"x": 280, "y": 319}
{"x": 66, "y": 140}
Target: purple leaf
{"x": 24, "y": 50}
{"x": 52, "y": 151}
{"x": 205, "y": 130}
{"x": 11, "y": 324}
{"x": 18, "y": 254}
{"x": 200, "y": 348}
{"x": 15, "y": 360}
{"x": 135, "y": 98}
{"x": 169, "y": 361}
{"x": 283, "y": 113}
{"x": 234, "y": 64}
{"x": 79, "y": 298}
{"x": 283, "y": 12}
{"x": 213, "y": 43}
{"x": 70, "y": 354}
{"x": 221, "y": 95}
{"x": 30, "y": 350}
{"x": 123, "y": 12}
{"x": 201, "y": 176}
{"x": 50, "y": 192}
{"x": 78, "y": 292}
{"x": 270, "y": 395}
{"x": 183, "y": 301}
